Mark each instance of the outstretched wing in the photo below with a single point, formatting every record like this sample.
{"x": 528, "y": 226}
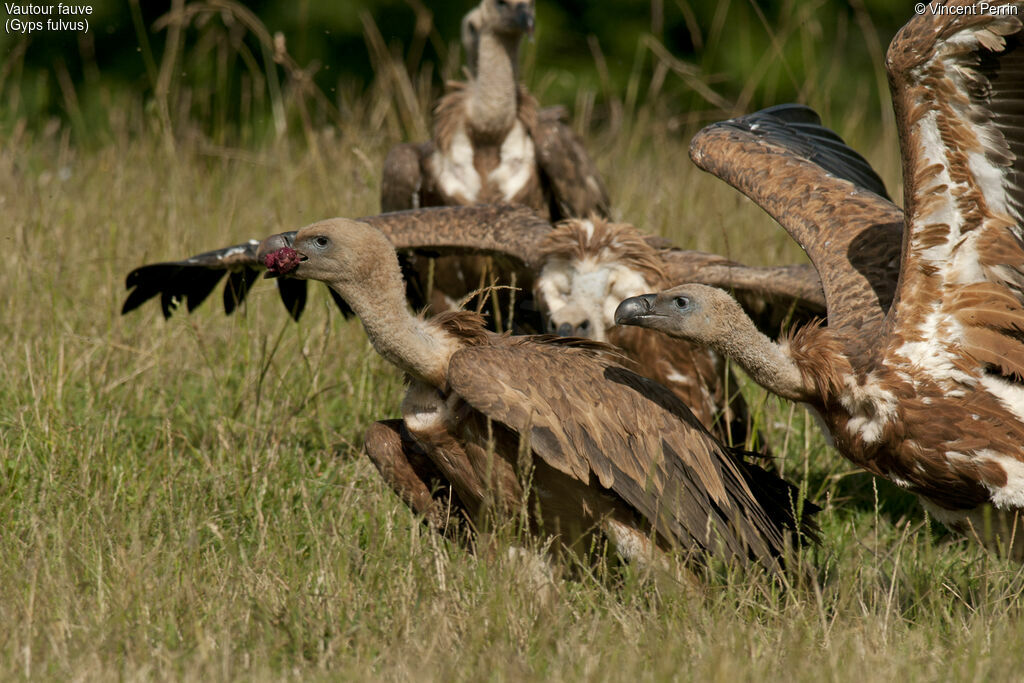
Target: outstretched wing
{"x": 194, "y": 279}
{"x": 827, "y": 198}
{"x": 577, "y": 190}
{"x": 510, "y": 232}
{"x": 594, "y": 420}
{"x": 958, "y": 92}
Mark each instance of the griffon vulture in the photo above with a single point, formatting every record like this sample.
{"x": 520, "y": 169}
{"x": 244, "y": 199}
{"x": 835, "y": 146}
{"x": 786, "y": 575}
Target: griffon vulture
{"x": 919, "y": 376}
{"x": 491, "y": 144}
{"x": 588, "y": 266}
{"x": 545, "y": 424}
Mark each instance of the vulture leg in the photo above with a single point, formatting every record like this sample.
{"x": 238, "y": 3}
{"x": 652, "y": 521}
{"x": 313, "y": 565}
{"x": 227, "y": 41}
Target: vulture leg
{"x": 411, "y": 474}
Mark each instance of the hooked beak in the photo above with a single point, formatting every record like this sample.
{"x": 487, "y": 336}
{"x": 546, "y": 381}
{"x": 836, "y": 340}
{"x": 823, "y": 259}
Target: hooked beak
{"x": 270, "y": 247}
{"x": 633, "y": 310}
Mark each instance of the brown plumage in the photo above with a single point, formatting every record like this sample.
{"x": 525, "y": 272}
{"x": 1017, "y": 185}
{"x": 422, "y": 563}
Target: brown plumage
{"x": 918, "y": 376}
{"x": 479, "y": 230}
{"x": 608, "y": 451}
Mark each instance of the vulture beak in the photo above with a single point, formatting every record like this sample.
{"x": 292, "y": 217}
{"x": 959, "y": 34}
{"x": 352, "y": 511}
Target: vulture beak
{"x": 524, "y": 18}
{"x": 633, "y": 310}
{"x": 269, "y": 247}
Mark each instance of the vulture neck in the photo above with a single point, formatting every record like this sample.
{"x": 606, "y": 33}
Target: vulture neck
{"x": 493, "y": 105}
{"x": 414, "y": 345}
{"x": 766, "y": 362}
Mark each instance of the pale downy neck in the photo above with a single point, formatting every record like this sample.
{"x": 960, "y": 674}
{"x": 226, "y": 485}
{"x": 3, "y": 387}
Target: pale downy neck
{"x": 413, "y": 344}
{"x": 766, "y": 362}
{"x": 493, "y": 104}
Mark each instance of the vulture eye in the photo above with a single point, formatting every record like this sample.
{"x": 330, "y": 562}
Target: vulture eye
{"x": 681, "y": 302}
{"x": 321, "y": 241}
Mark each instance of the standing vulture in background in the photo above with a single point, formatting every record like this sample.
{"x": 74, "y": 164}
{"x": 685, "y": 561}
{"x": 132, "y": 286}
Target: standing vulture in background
{"x": 919, "y": 376}
{"x": 545, "y": 424}
{"x": 491, "y": 144}
{"x": 586, "y": 266}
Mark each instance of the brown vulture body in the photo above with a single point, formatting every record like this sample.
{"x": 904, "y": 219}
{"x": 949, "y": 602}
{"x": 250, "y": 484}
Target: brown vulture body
{"x": 544, "y": 424}
{"x": 590, "y": 265}
{"x": 918, "y": 376}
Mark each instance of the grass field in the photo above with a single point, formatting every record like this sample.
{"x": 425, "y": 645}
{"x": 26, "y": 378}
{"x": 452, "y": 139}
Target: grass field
{"x": 187, "y": 500}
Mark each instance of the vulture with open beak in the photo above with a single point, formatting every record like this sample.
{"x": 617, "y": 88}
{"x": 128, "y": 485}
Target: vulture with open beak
{"x": 919, "y": 376}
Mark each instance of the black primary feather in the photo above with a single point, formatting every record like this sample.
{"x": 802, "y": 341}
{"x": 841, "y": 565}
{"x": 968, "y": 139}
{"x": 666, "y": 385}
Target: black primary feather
{"x": 798, "y": 128}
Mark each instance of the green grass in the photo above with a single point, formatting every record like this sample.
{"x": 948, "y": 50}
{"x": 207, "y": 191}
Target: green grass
{"x": 186, "y": 499}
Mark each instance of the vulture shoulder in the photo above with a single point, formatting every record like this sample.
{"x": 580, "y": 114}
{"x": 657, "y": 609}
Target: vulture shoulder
{"x": 401, "y": 185}
{"x": 629, "y": 435}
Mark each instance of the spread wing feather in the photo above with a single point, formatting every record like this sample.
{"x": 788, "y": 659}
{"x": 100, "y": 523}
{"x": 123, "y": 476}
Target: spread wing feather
{"x": 489, "y": 229}
{"x": 576, "y": 186}
{"x": 510, "y": 232}
{"x": 826, "y": 197}
{"x": 958, "y": 92}
{"x": 631, "y": 435}
{"x": 193, "y": 279}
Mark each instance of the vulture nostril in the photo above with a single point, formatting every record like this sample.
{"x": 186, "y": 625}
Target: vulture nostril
{"x": 584, "y": 326}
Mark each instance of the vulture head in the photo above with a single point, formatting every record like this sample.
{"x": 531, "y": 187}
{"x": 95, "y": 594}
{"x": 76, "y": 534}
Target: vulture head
{"x": 698, "y": 313}
{"x": 510, "y": 18}
{"x": 346, "y": 254}
{"x": 589, "y": 267}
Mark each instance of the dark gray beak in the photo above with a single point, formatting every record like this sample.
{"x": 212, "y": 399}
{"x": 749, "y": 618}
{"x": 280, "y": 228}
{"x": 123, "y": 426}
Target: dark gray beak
{"x": 634, "y": 309}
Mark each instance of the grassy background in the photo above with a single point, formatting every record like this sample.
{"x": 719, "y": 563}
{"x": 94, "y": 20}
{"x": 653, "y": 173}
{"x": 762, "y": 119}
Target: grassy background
{"x": 186, "y": 499}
